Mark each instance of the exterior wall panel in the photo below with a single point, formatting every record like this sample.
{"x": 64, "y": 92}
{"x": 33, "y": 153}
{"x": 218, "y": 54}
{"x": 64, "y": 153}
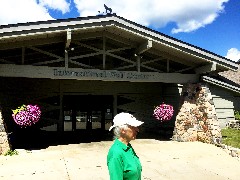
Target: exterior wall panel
{"x": 223, "y": 100}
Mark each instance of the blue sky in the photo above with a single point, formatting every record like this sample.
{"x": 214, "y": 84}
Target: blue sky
{"x": 219, "y": 36}
{"x": 209, "y": 24}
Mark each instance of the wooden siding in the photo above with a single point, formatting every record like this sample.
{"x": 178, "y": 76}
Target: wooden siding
{"x": 236, "y": 102}
{"x": 225, "y": 103}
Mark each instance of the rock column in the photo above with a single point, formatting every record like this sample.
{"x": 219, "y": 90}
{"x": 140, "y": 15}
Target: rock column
{"x": 196, "y": 119}
{"x": 4, "y": 143}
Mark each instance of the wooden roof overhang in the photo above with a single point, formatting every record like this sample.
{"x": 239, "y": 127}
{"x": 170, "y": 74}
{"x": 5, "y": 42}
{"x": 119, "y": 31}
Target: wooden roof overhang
{"x": 102, "y": 45}
{"x": 222, "y": 82}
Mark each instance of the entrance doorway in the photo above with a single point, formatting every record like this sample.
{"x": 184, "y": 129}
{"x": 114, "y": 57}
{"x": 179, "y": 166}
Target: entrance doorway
{"x": 87, "y": 112}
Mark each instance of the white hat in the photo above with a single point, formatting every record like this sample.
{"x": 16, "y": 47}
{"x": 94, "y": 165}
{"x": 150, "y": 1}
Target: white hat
{"x": 125, "y": 118}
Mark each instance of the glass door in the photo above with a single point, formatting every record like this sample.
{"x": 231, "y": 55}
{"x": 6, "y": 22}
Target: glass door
{"x": 81, "y": 119}
{"x": 87, "y": 112}
{"x": 96, "y": 119}
{"x": 88, "y": 119}
{"x": 68, "y": 120}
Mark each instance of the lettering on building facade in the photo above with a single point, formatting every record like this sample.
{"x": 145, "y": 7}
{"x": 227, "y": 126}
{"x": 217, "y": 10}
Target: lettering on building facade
{"x": 101, "y": 74}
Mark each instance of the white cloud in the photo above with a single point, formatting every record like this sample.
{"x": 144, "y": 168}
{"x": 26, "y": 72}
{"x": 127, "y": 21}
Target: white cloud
{"x": 21, "y": 11}
{"x": 233, "y": 54}
{"x": 188, "y": 15}
{"x": 15, "y": 11}
{"x": 61, "y": 5}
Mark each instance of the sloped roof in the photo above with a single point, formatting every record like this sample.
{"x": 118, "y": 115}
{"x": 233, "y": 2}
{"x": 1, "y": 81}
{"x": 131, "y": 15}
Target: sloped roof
{"x": 222, "y": 82}
{"x": 227, "y": 79}
{"x": 231, "y": 75}
{"x": 182, "y": 54}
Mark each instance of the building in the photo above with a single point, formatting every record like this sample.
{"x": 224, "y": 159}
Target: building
{"x": 83, "y": 71}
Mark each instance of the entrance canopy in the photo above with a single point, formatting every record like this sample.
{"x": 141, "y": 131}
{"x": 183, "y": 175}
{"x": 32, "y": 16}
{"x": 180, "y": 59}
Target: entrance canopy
{"x": 105, "y": 47}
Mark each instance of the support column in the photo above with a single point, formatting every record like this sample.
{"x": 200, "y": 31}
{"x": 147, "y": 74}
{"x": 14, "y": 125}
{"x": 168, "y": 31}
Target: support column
{"x": 138, "y": 63}
{"x": 104, "y": 52}
{"x": 66, "y": 59}
{"x": 23, "y": 55}
{"x": 60, "y": 126}
{"x": 4, "y": 143}
{"x": 67, "y": 46}
{"x": 114, "y": 105}
{"x": 197, "y": 119}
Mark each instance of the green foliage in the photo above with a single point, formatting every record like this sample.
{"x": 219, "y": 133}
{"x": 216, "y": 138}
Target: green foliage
{"x": 11, "y": 153}
{"x": 231, "y": 137}
{"x": 237, "y": 115}
{"x": 21, "y": 108}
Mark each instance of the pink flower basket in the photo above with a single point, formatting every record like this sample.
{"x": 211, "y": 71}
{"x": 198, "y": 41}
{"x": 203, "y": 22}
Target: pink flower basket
{"x": 26, "y": 115}
{"x": 163, "y": 112}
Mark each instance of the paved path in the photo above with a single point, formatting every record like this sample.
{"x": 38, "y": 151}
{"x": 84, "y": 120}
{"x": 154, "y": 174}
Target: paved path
{"x": 87, "y": 161}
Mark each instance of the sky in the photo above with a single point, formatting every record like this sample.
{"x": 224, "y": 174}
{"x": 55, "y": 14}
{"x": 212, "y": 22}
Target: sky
{"x": 213, "y": 25}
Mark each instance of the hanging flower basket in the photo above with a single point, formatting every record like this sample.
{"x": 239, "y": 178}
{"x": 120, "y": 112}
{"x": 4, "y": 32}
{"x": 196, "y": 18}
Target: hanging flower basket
{"x": 26, "y": 115}
{"x": 163, "y": 112}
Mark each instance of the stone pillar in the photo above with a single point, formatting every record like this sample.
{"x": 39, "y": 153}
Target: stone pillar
{"x": 196, "y": 119}
{"x": 4, "y": 143}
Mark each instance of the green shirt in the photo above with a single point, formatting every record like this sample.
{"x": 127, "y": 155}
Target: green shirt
{"x": 123, "y": 163}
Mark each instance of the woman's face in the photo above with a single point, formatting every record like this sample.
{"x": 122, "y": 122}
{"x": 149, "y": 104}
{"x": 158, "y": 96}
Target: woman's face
{"x": 130, "y": 133}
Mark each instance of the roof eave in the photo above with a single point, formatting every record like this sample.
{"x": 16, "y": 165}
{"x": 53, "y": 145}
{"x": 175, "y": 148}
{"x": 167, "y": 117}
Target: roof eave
{"x": 54, "y": 26}
{"x": 221, "y": 84}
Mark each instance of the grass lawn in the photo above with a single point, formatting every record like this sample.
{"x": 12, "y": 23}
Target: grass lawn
{"x": 231, "y": 137}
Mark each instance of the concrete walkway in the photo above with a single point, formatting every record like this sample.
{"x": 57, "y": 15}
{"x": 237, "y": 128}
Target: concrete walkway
{"x": 87, "y": 161}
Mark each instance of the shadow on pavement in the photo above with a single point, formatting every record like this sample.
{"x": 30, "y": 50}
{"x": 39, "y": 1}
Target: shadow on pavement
{"x": 37, "y": 139}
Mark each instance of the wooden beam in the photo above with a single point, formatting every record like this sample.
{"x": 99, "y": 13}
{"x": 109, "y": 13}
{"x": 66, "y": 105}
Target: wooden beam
{"x": 144, "y": 47}
{"x": 66, "y": 59}
{"x": 86, "y": 55}
{"x": 115, "y": 104}
{"x": 171, "y": 56}
{"x": 121, "y": 58}
{"x": 80, "y": 64}
{"x": 151, "y": 61}
{"x": 5, "y": 61}
{"x": 48, "y": 62}
{"x": 45, "y": 52}
{"x": 69, "y": 38}
{"x": 185, "y": 69}
{"x": 138, "y": 63}
{"x": 119, "y": 39}
{"x": 7, "y": 70}
{"x": 30, "y": 42}
{"x": 99, "y": 34}
{"x": 23, "y": 54}
{"x": 60, "y": 124}
{"x": 168, "y": 65}
{"x": 150, "y": 68}
{"x": 125, "y": 67}
{"x": 206, "y": 69}
{"x": 119, "y": 49}
{"x": 87, "y": 46}
{"x": 104, "y": 52}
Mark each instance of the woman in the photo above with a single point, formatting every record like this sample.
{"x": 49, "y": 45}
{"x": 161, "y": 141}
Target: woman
{"x": 122, "y": 161}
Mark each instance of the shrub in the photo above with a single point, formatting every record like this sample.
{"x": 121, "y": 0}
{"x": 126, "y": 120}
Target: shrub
{"x": 11, "y": 153}
{"x": 237, "y": 115}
